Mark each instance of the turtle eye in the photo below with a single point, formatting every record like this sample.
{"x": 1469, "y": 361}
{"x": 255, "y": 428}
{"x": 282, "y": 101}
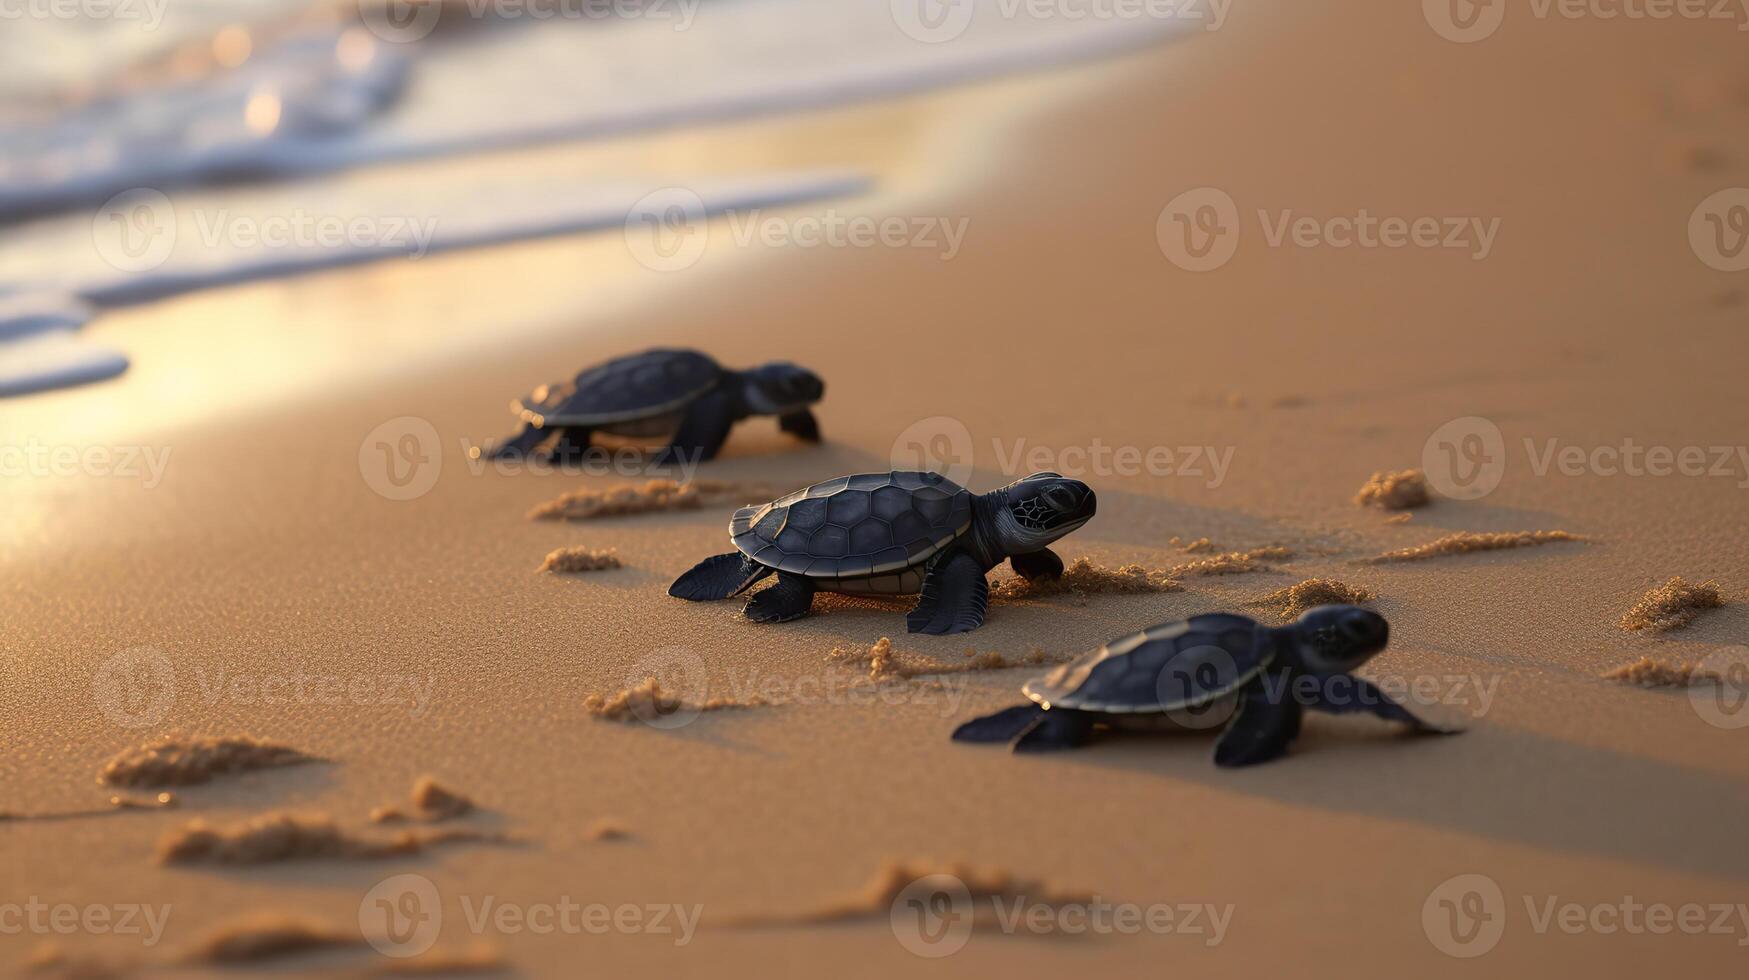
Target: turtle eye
{"x": 1061, "y": 499}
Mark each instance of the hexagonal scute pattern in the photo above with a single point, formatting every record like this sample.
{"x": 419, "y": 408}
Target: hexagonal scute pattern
{"x": 644, "y": 385}
{"x": 855, "y": 526}
{"x": 1160, "y": 668}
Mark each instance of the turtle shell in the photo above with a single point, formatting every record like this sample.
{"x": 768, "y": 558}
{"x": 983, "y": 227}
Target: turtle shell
{"x": 638, "y": 386}
{"x": 855, "y": 526}
{"x": 1162, "y": 668}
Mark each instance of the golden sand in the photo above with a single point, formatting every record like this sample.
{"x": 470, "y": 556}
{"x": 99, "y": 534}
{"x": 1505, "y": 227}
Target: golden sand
{"x": 1313, "y": 592}
{"x": 264, "y": 937}
{"x": 1083, "y": 576}
{"x": 567, "y": 561}
{"x": 1465, "y": 542}
{"x": 1394, "y": 491}
{"x": 173, "y": 760}
{"x": 886, "y": 664}
{"x": 646, "y": 498}
{"x": 647, "y": 700}
{"x": 431, "y": 802}
{"x": 875, "y": 900}
{"x": 1192, "y": 547}
{"x": 274, "y": 837}
{"x": 1232, "y": 562}
{"x": 117, "y": 804}
{"x": 481, "y": 958}
{"x": 1672, "y": 605}
{"x": 606, "y": 830}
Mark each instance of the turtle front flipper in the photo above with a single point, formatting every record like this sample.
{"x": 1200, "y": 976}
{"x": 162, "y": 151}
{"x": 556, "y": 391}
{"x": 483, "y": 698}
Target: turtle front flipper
{"x": 521, "y": 444}
{"x": 1059, "y": 728}
{"x": 955, "y": 597}
{"x": 573, "y": 445}
{"x": 1003, "y": 726}
{"x": 1041, "y": 564}
{"x": 703, "y": 430}
{"x": 718, "y": 577}
{"x": 800, "y": 424}
{"x": 1365, "y": 696}
{"x": 790, "y": 598}
{"x": 1261, "y": 731}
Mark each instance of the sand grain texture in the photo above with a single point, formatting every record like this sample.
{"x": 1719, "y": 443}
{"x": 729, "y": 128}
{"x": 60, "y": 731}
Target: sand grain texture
{"x": 646, "y": 701}
{"x": 570, "y": 561}
{"x": 1313, "y": 592}
{"x": 650, "y": 497}
{"x": 874, "y": 901}
{"x": 1672, "y": 605}
{"x": 275, "y": 837}
{"x": 1394, "y": 491}
{"x": 1470, "y": 542}
{"x": 174, "y": 760}
{"x": 1083, "y": 576}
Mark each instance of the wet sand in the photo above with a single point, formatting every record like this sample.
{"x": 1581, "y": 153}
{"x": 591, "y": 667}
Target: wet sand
{"x": 265, "y": 564}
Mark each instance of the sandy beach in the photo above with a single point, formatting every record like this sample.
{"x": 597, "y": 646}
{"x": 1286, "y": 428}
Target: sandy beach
{"x": 267, "y": 583}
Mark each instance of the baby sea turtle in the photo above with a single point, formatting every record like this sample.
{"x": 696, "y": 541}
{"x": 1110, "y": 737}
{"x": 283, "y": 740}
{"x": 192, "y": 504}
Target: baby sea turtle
{"x": 897, "y": 533}
{"x": 1204, "y": 672}
{"x": 682, "y": 396}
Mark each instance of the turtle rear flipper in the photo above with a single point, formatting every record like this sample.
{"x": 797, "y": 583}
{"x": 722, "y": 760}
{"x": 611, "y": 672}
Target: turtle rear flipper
{"x": 703, "y": 430}
{"x": 1003, "y": 726}
{"x": 718, "y": 577}
{"x": 1368, "y": 698}
{"x": 955, "y": 597}
{"x": 1261, "y": 731}
{"x": 790, "y": 598}
{"x": 522, "y": 443}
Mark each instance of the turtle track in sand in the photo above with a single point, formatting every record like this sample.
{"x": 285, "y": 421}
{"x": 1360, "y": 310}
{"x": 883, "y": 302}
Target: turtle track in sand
{"x": 274, "y": 837}
{"x": 576, "y": 559}
{"x": 886, "y": 664}
{"x": 175, "y": 760}
{"x": 874, "y": 902}
{"x": 1468, "y": 542}
{"x": 652, "y": 496}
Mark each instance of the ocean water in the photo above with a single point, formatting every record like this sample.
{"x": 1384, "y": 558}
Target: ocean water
{"x": 156, "y": 117}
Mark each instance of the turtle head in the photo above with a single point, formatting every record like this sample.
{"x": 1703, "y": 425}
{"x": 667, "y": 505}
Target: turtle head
{"x": 780, "y": 387}
{"x": 1337, "y": 639}
{"x": 1040, "y": 509}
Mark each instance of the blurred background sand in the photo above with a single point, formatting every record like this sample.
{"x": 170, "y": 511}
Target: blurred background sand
{"x": 265, "y": 550}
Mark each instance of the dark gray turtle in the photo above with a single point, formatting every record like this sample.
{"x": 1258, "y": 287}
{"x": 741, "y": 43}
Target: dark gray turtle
{"x": 682, "y": 396}
{"x": 894, "y": 533}
{"x": 1217, "y": 669}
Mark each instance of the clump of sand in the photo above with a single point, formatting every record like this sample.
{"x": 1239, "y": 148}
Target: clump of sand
{"x": 1232, "y": 562}
{"x": 263, "y": 937}
{"x": 432, "y": 802}
{"x": 1672, "y": 605}
{"x": 606, "y": 829}
{"x": 286, "y": 837}
{"x": 646, "y": 700}
{"x": 173, "y": 760}
{"x": 1465, "y": 542}
{"x": 1394, "y": 491}
{"x": 1192, "y": 547}
{"x": 886, "y": 664}
{"x": 1647, "y": 672}
{"x": 645, "y": 498}
{"x": 1314, "y": 592}
{"x": 874, "y": 901}
{"x": 1082, "y": 577}
{"x": 567, "y": 561}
